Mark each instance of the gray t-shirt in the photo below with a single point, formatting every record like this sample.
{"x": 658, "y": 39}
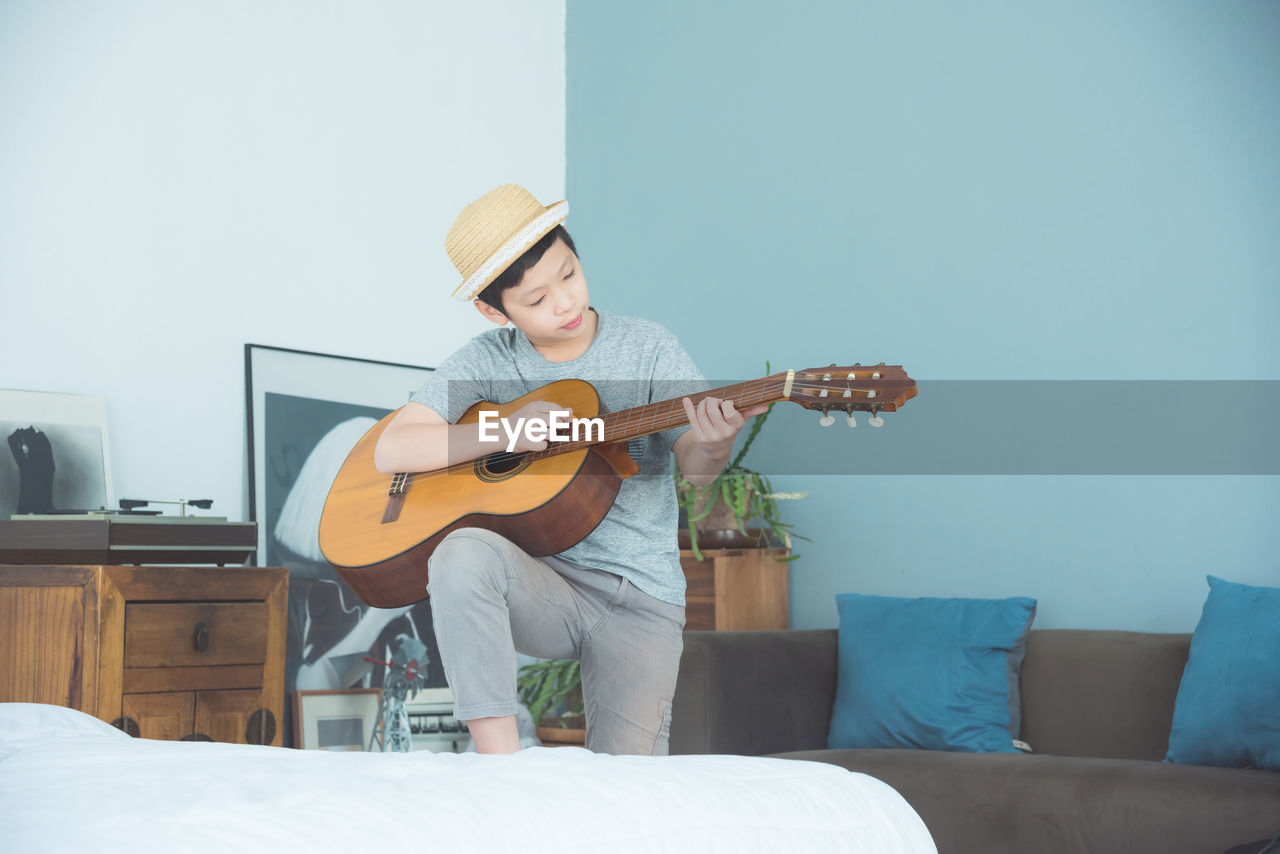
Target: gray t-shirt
{"x": 631, "y": 362}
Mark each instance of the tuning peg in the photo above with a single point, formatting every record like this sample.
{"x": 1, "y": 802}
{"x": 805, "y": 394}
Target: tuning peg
{"x": 875, "y": 420}
{"x": 827, "y": 419}
{"x": 849, "y": 417}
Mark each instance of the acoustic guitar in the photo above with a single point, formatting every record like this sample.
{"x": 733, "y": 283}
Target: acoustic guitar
{"x": 377, "y": 530}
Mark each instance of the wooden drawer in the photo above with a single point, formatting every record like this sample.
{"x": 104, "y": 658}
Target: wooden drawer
{"x": 185, "y": 634}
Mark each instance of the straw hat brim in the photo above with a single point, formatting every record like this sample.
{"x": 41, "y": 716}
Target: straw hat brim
{"x": 515, "y": 246}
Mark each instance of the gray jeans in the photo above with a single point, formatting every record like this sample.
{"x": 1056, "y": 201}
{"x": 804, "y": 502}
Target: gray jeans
{"x": 489, "y": 599}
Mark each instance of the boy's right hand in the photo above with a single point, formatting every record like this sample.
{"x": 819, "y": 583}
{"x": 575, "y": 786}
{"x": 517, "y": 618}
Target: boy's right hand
{"x": 534, "y": 409}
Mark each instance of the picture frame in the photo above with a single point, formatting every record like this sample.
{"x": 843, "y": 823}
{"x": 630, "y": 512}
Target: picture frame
{"x": 293, "y": 401}
{"x": 335, "y": 720}
{"x": 304, "y": 412}
{"x": 58, "y": 455}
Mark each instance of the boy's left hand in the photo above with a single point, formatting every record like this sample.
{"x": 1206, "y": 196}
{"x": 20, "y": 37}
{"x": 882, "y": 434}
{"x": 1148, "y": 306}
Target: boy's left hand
{"x": 715, "y": 423}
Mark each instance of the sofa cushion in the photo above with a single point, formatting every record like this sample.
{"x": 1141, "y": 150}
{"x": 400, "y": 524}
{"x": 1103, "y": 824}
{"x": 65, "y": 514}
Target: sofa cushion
{"x": 937, "y": 674}
{"x": 985, "y": 803}
{"x": 1087, "y": 692}
{"x": 1228, "y": 707}
{"x": 754, "y": 692}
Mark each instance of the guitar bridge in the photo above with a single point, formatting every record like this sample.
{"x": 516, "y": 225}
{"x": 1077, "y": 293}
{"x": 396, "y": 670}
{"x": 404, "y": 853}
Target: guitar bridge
{"x": 395, "y": 497}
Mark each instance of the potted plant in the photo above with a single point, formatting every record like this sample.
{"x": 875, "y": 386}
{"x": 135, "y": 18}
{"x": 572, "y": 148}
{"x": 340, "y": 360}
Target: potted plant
{"x": 548, "y": 686}
{"x": 736, "y": 497}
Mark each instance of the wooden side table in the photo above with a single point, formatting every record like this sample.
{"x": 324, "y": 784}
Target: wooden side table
{"x": 736, "y": 589}
{"x": 552, "y": 736}
{"x": 160, "y": 651}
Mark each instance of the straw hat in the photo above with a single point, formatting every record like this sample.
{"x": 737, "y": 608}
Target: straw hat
{"x": 494, "y": 231}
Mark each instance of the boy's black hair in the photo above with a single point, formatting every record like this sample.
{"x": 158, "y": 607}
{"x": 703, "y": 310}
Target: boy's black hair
{"x": 511, "y": 276}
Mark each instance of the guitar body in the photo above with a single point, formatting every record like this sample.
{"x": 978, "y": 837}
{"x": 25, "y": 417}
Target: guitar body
{"x": 378, "y": 530}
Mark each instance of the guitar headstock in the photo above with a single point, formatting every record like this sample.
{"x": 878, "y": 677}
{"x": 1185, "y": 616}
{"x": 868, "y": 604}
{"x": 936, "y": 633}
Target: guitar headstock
{"x": 874, "y": 389}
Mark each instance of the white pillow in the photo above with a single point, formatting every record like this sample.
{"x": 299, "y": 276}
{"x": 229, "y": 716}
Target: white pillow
{"x": 24, "y": 720}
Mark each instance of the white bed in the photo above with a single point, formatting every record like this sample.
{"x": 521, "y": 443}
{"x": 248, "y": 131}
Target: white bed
{"x": 69, "y": 782}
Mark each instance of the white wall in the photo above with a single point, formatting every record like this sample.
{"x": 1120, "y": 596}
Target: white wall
{"x": 178, "y": 179}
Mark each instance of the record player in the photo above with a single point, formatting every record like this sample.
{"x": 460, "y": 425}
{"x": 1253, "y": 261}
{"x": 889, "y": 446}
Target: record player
{"x": 130, "y": 535}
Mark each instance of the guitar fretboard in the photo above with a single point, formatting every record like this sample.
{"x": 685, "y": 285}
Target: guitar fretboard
{"x": 626, "y": 424}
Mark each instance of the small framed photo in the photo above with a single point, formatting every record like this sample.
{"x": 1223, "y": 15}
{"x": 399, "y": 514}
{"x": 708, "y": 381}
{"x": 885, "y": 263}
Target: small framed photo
{"x": 335, "y": 720}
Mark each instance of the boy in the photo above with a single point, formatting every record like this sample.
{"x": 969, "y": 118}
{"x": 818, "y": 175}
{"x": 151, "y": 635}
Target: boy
{"x": 615, "y": 600}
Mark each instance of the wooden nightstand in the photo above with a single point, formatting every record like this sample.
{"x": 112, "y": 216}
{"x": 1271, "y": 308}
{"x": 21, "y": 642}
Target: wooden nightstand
{"x": 735, "y": 589}
{"x": 161, "y": 652}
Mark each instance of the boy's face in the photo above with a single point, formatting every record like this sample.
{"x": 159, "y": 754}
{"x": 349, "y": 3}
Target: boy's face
{"x": 550, "y": 303}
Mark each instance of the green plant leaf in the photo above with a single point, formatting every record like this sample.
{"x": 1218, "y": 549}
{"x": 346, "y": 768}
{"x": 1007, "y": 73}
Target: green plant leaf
{"x": 544, "y": 684}
{"x": 693, "y": 543}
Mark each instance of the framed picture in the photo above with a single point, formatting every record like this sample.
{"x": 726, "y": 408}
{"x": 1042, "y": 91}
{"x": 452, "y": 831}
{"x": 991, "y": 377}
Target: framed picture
{"x": 305, "y": 411}
{"x": 335, "y": 720}
{"x": 58, "y": 458}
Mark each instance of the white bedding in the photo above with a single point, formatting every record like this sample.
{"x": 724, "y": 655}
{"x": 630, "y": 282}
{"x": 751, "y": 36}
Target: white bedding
{"x": 69, "y": 782}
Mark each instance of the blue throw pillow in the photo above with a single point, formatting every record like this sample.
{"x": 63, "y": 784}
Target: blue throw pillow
{"x": 936, "y": 674}
{"x": 1228, "y": 707}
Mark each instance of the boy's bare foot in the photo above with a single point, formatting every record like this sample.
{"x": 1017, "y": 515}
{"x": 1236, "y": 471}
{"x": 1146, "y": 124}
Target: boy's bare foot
{"x": 495, "y": 735}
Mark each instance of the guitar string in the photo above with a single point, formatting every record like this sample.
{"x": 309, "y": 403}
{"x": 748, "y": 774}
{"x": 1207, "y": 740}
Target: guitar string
{"x": 501, "y": 457}
{"x": 647, "y": 422}
{"x": 663, "y": 411}
{"x": 642, "y": 418}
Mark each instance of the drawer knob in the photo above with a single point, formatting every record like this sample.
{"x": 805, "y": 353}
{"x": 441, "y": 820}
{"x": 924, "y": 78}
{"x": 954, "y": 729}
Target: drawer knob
{"x": 261, "y": 727}
{"x": 202, "y": 637}
{"x": 129, "y": 725}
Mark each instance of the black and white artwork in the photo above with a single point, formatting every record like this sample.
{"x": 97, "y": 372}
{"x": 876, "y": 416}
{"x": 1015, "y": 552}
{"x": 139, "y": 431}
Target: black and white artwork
{"x": 56, "y": 457}
{"x": 306, "y": 411}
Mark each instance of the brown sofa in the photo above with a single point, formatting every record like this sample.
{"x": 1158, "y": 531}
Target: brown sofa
{"x": 1097, "y": 707}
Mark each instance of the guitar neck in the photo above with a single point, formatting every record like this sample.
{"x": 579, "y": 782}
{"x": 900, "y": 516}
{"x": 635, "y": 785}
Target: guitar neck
{"x": 627, "y": 424}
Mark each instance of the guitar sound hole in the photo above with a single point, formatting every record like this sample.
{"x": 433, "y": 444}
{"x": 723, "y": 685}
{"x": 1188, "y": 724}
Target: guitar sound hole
{"x": 500, "y": 466}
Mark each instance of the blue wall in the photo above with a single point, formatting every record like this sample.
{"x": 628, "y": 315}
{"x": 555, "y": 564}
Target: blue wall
{"x": 979, "y": 191}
